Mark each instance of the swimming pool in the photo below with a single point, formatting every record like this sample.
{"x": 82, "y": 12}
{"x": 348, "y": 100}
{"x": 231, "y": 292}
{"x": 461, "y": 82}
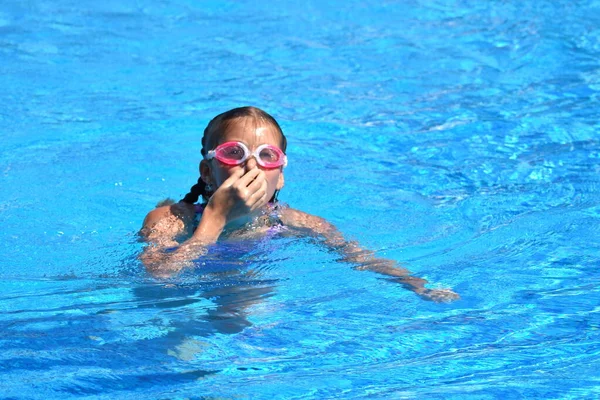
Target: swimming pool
{"x": 459, "y": 138}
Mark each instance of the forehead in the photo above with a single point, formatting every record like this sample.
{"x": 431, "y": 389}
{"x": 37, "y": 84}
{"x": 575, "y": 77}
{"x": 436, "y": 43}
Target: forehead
{"x": 251, "y": 131}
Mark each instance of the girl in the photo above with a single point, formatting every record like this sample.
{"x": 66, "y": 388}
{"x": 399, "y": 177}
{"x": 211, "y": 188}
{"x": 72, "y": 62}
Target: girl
{"x": 241, "y": 175}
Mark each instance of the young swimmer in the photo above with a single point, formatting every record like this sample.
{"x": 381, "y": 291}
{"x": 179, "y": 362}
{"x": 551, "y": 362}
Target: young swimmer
{"x": 241, "y": 174}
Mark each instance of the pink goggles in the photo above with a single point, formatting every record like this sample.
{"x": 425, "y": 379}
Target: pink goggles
{"x": 235, "y": 153}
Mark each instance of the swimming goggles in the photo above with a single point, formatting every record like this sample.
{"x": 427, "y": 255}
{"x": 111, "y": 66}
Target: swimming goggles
{"x": 235, "y": 153}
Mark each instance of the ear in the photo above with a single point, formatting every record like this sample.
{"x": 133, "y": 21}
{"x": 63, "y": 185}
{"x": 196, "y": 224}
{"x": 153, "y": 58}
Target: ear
{"x": 205, "y": 172}
{"x": 280, "y": 181}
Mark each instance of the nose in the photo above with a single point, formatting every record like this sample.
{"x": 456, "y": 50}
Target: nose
{"x": 250, "y": 163}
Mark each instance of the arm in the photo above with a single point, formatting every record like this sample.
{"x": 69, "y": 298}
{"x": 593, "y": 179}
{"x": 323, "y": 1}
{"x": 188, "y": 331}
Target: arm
{"x": 164, "y": 255}
{"x": 160, "y": 229}
{"x": 241, "y": 194}
{"x": 363, "y": 259}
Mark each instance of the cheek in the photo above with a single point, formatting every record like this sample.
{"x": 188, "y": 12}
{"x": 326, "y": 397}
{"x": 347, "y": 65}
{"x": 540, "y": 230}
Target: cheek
{"x": 222, "y": 173}
{"x": 272, "y": 179}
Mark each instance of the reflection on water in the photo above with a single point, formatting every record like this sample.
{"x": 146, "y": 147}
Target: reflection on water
{"x": 134, "y": 332}
{"x": 216, "y": 309}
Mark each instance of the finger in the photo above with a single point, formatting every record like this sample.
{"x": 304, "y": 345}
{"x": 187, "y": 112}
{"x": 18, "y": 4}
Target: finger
{"x": 249, "y": 177}
{"x": 249, "y": 183}
{"x": 256, "y": 197}
{"x": 260, "y": 201}
{"x": 233, "y": 178}
{"x": 258, "y": 182}
{"x": 259, "y": 198}
{"x": 239, "y": 188}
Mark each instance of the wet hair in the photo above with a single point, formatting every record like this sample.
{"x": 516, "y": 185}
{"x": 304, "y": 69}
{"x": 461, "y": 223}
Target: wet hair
{"x": 218, "y": 125}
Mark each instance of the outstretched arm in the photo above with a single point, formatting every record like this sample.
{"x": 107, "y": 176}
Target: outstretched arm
{"x": 362, "y": 258}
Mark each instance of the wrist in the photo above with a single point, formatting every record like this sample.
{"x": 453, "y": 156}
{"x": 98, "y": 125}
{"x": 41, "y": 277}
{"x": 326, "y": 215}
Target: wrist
{"x": 211, "y": 225}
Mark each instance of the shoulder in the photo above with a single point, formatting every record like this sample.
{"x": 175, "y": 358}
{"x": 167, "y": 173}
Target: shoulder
{"x": 168, "y": 219}
{"x": 300, "y": 219}
{"x": 177, "y": 210}
{"x": 312, "y": 225}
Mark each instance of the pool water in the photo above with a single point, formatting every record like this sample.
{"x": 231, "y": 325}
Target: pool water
{"x": 459, "y": 138}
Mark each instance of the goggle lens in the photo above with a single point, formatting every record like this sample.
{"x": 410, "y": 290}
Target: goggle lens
{"x": 269, "y": 155}
{"x": 230, "y": 153}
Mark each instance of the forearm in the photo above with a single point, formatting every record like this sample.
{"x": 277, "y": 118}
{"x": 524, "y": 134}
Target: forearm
{"x": 366, "y": 260}
{"x": 209, "y": 229}
{"x": 159, "y": 260}
{"x": 166, "y": 261}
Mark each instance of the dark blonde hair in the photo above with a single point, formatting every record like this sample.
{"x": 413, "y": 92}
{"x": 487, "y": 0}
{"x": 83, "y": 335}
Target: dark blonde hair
{"x": 219, "y": 124}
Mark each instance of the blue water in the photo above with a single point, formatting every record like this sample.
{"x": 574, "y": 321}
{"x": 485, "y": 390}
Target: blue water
{"x": 459, "y": 138}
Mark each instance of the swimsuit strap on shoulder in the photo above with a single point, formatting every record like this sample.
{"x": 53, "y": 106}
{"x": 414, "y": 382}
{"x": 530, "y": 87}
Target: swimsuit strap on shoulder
{"x": 199, "y": 208}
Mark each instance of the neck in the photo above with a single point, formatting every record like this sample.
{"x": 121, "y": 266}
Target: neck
{"x": 260, "y": 217}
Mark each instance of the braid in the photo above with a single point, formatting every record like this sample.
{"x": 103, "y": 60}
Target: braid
{"x": 199, "y": 189}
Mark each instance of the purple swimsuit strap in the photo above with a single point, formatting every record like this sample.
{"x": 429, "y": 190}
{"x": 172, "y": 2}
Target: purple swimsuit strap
{"x": 199, "y": 208}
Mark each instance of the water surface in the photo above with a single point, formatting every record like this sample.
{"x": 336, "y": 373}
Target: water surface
{"x": 455, "y": 137}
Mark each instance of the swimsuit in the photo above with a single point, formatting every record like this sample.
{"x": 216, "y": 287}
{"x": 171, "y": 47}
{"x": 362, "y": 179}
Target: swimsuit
{"x": 199, "y": 208}
{"x": 275, "y": 223}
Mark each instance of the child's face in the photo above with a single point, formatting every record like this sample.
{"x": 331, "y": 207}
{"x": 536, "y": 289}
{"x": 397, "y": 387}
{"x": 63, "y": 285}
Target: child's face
{"x": 247, "y": 131}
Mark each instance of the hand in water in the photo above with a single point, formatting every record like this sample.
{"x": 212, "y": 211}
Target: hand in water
{"x": 439, "y": 295}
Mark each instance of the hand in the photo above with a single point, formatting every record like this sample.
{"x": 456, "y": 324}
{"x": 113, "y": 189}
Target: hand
{"x": 241, "y": 194}
{"x": 439, "y": 295}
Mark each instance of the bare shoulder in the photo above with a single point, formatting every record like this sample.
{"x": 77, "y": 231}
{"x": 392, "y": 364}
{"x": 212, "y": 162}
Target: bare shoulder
{"x": 312, "y": 225}
{"x": 300, "y": 219}
{"x": 169, "y": 220}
